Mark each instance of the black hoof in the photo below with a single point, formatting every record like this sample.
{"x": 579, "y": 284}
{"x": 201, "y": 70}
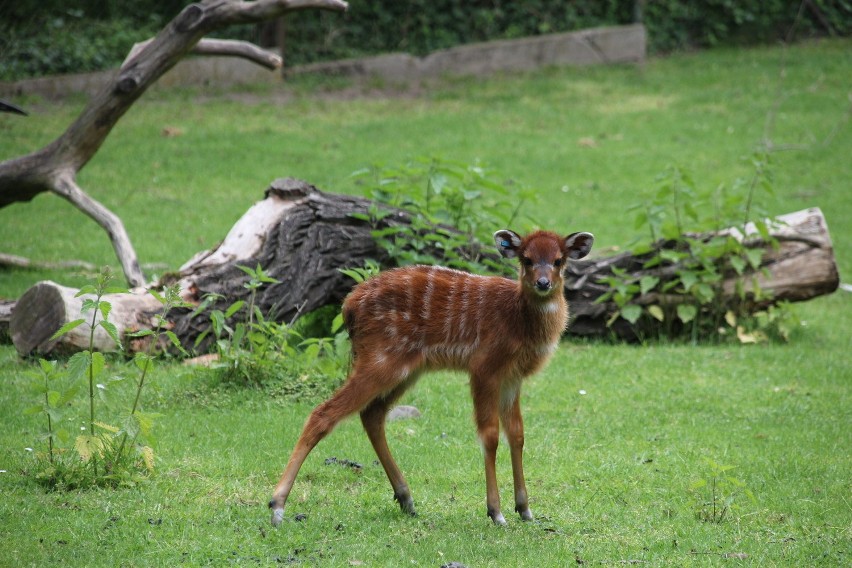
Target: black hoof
{"x": 406, "y": 503}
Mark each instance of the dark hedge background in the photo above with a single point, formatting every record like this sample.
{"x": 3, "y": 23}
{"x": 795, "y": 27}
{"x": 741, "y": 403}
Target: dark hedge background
{"x": 39, "y": 37}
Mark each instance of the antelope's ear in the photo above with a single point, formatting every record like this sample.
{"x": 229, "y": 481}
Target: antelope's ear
{"x": 578, "y": 245}
{"x": 508, "y": 242}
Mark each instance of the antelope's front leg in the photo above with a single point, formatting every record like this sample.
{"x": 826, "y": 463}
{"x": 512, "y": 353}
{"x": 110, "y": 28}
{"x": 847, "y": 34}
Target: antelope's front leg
{"x": 513, "y": 424}
{"x": 486, "y": 402}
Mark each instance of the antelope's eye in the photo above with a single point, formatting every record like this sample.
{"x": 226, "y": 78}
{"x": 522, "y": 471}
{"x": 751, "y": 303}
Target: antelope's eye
{"x": 528, "y": 262}
{"x": 557, "y": 263}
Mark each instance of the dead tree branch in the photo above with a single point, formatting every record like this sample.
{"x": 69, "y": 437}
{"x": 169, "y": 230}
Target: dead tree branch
{"x": 54, "y": 168}
{"x": 224, "y": 48}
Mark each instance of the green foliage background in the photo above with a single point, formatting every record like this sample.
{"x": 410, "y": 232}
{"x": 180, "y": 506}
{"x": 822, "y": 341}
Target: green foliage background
{"x": 38, "y": 38}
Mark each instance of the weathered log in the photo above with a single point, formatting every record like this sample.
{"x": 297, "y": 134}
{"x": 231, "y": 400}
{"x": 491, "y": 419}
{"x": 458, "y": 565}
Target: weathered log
{"x": 297, "y": 234}
{"x": 802, "y": 267}
{"x": 302, "y": 237}
{"x": 47, "y": 306}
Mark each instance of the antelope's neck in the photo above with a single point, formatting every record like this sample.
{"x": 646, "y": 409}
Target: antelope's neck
{"x": 546, "y": 317}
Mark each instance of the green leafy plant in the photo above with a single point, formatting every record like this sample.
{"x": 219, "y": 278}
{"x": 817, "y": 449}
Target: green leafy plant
{"x": 45, "y": 380}
{"x": 243, "y": 340}
{"x": 252, "y": 350}
{"x": 455, "y": 207}
{"x": 362, "y": 273}
{"x": 717, "y": 491}
{"x": 90, "y": 362}
{"x": 68, "y": 42}
{"x": 138, "y": 423}
{"x": 688, "y": 254}
{"x": 105, "y": 455}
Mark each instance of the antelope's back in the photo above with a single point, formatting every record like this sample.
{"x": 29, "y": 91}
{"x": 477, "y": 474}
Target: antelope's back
{"x": 420, "y": 307}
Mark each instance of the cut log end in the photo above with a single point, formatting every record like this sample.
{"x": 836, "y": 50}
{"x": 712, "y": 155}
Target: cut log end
{"x": 36, "y": 317}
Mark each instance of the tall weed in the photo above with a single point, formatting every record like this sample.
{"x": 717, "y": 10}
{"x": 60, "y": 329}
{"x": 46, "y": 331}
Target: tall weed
{"x": 105, "y": 454}
{"x": 251, "y": 350}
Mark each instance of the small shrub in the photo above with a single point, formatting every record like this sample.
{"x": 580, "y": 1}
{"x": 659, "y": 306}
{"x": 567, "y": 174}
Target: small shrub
{"x": 717, "y": 492}
{"x": 456, "y": 208}
{"x": 105, "y": 454}
{"x": 254, "y": 351}
{"x": 686, "y": 257}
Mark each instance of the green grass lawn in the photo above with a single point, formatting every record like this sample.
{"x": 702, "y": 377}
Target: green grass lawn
{"x": 609, "y": 471}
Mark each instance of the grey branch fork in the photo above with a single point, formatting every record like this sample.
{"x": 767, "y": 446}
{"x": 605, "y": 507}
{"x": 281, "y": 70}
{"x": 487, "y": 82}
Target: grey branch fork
{"x": 54, "y": 168}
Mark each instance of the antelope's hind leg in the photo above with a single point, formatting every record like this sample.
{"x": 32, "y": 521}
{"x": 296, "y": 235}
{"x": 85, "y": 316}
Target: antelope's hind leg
{"x": 373, "y": 419}
{"x": 354, "y": 395}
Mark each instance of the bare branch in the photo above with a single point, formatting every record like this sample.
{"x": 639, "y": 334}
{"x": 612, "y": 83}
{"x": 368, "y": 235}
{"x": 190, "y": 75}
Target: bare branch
{"x": 246, "y": 12}
{"x": 54, "y": 167}
{"x": 224, "y": 48}
{"x": 23, "y": 262}
{"x": 9, "y": 107}
{"x": 67, "y": 187}
{"x": 244, "y": 49}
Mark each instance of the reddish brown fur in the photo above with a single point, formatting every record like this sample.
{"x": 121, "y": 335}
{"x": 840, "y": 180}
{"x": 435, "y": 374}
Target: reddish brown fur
{"x": 419, "y": 318}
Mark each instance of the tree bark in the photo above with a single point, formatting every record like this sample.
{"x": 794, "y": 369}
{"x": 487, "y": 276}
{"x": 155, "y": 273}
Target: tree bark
{"x": 302, "y": 237}
{"x": 54, "y": 168}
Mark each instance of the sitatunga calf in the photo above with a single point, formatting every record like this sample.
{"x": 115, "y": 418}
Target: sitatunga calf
{"x": 410, "y": 320}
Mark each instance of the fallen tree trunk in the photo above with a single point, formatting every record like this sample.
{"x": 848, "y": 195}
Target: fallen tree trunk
{"x": 799, "y": 266}
{"x": 297, "y": 234}
{"x": 302, "y": 237}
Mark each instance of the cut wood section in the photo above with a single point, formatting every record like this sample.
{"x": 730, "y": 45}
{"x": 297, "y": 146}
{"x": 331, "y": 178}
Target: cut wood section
{"x": 803, "y": 265}
{"x": 47, "y": 306}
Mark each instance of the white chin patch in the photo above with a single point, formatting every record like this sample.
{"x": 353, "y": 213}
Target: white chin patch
{"x": 549, "y": 307}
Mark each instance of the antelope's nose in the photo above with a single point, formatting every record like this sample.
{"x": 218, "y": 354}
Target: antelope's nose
{"x": 542, "y": 284}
